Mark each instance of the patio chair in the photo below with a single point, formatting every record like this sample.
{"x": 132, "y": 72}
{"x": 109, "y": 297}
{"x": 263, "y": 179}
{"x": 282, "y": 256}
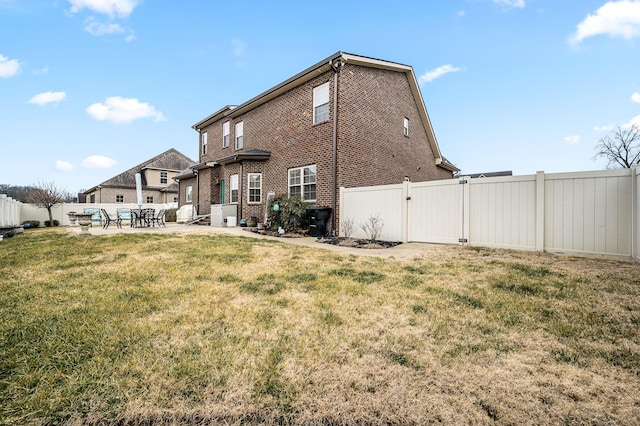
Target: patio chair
{"x": 107, "y": 220}
{"x": 159, "y": 218}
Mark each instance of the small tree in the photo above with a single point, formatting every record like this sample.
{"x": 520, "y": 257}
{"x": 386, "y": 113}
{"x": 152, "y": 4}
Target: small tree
{"x": 348, "y": 226}
{"x": 623, "y": 151}
{"x": 47, "y": 195}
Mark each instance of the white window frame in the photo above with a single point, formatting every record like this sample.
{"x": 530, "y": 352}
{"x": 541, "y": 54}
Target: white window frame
{"x": 239, "y": 135}
{"x": 233, "y": 189}
{"x": 225, "y": 134}
{"x": 204, "y": 143}
{"x": 250, "y": 186}
{"x": 321, "y": 103}
{"x": 302, "y": 183}
{"x": 405, "y": 128}
{"x": 189, "y": 194}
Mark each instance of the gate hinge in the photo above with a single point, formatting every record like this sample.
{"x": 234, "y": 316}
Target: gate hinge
{"x": 463, "y": 240}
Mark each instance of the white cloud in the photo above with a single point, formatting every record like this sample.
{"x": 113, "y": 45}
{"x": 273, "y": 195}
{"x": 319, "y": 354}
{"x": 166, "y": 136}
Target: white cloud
{"x": 113, "y": 8}
{"x": 48, "y": 97}
{"x": 573, "y": 139}
{"x": 510, "y": 3}
{"x": 429, "y": 76}
{"x": 63, "y": 166}
{"x": 123, "y": 110}
{"x": 43, "y": 70}
{"x": 606, "y": 128}
{"x": 635, "y": 121}
{"x": 96, "y": 28}
{"x": 8, "y": 67}
{"x": 636, "y": 97}
{"x": 614, "y": 18}
{"x": 98, "y": 162}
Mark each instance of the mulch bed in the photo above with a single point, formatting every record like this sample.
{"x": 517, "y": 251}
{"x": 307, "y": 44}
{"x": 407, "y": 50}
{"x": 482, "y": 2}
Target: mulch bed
{"x": 358, "y": 243}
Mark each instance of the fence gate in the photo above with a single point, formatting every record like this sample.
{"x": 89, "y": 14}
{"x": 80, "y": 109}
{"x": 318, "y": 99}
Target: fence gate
{"x": 438, "y": 211}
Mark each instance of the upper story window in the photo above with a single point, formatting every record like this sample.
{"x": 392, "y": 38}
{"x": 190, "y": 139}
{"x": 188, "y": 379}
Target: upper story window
{"x": 255, "y": 187}
{"x": 189, "y": 194}
{"x": 233, "y": 188}
{"x": 302, "y": 183}
{"x": 406, "y": 127}
{"x": 204, "y": 143}
{"x": 119, "y": 198}
{"x": 239, "y": 135}
{"x": 321, "y": 103}
{"x": 225, "y": 134}
{"x": 164, "y": 177}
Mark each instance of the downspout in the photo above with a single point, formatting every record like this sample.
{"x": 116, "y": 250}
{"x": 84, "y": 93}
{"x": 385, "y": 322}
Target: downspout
{"x": 240, "y": 191}
{"x": 336, "y": 65}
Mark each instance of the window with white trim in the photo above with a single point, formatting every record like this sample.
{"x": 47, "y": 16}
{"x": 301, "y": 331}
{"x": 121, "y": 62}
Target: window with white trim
{"x": 233, "y": 188}
{"x": 239, "y": 135}
{"x": 225, "y": 134}
{"x": 321, "y": 103}
{"x": 204, "y": 143}
{"x": 302, "y": 183}
{"x": 189, "y": 194}
{"x": 406, "y": 127}
{"x": 255, "y": 188}
{"x": 164, "y": 177}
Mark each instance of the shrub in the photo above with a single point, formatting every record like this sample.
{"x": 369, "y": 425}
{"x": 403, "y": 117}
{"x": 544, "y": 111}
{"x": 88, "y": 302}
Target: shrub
{"x": 373, "y": 227}
{"x": 291, "y": 214}
{"x": 348, "y": 226}
{"x": 48, "y": 223}
{"x": 170, "y": 215}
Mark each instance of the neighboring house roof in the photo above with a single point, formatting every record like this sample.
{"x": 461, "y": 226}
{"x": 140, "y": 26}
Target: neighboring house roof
{"x": 323, "y": 66}
{"x": 170, "y": 160}
{"x": 488, "y": 174}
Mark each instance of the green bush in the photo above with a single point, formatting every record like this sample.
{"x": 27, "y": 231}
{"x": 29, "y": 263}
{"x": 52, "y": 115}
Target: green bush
{"x": 47, "y": 223}
{"x": 170, "y": 215}
{"x": 291, "y": 214}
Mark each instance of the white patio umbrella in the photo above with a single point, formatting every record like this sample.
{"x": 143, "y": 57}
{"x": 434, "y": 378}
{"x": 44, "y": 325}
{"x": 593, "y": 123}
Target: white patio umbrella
{"x": 139, "y": 189}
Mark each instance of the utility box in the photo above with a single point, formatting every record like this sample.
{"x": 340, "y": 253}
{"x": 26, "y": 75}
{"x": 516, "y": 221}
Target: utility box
{"x": 220, "y": 213}
{"x": 318, "y": 219}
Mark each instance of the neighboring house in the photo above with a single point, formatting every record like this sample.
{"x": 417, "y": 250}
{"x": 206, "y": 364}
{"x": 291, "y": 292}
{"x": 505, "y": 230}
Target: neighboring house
{"x": 487, "y": 174}
{"x": 156, "y": 174}
{"x": 346, "y": 121}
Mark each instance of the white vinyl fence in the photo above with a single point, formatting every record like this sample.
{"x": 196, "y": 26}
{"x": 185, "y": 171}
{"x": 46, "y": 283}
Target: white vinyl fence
{"x": 590, "y": 213}
{"x": 9, "y": 211}
{"x": 60, "y": 211}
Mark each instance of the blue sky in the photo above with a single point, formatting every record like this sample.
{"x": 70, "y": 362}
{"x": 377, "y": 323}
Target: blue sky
{"x": 90, "y": 88}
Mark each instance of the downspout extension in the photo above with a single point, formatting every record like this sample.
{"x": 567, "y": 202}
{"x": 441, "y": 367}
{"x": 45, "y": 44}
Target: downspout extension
{"x": 336, "y": 65}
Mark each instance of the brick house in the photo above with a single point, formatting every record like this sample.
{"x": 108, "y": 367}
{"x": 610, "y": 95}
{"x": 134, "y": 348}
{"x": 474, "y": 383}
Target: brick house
{"x": 346, "y": 121}
{"x": 157, "y": 181}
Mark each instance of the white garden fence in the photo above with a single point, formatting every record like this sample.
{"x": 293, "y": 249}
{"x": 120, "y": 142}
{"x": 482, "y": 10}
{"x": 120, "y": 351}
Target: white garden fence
{"x": 9, "y": 211}
{"x": 590, "y": 213}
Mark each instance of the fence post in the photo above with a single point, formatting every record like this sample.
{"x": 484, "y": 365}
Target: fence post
{"x": 406, "y": 198}
{"x": 635, "y": 213}
{"x": 339, "y": 214}
{"x": 540, "y": 211}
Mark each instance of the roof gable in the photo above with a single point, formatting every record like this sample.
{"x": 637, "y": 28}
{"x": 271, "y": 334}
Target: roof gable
{"x": 170, "y": 160}
{"x": 322, "y": 67}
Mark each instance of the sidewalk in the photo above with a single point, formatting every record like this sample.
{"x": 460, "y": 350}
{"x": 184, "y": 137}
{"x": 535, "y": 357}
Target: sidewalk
{"x": 401, "y": 251}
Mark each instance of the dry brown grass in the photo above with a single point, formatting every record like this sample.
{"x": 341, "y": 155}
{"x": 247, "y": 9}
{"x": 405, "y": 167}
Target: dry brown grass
{"x": 184, "y": 329}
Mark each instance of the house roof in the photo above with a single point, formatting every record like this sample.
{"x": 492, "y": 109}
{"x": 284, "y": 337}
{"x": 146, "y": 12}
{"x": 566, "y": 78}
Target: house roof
{"x": 170, "y": 160}
{"x": 322, "y": 67}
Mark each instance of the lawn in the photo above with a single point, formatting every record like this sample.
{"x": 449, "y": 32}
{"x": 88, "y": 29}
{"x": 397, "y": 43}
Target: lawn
{"x": 198, "y": 328}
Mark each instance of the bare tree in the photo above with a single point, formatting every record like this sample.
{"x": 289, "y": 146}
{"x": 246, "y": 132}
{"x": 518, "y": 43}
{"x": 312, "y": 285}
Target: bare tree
{"x": 373, "y": 227}
{"x": 623, "y": 151}
{"x": 46, "y": 195}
